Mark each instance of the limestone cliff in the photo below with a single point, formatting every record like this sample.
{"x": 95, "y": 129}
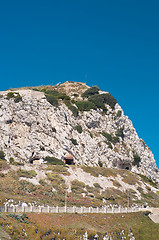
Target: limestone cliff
{"x": 31, "y": 128}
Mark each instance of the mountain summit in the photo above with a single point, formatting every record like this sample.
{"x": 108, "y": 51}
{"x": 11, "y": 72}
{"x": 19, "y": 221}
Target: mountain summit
{"x": 71, "y": 123}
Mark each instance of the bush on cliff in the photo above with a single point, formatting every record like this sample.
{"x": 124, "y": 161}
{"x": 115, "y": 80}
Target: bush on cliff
{"x": 85, "y": 105}
{"x": 27, "y": 174}
{"x": 53, "y": 161}
{"x": 78, "y": 128}
{"x": 90, "y": 91}
{"x": 2, "y": 155}
{"x": 15, "y": 95}
{"x": 137, "y": 160}
{"x": 52, "y": 100}
{"x": 101, "y": 99}
{"x": 110, "y": 138}
{"x": 74, "y": 141}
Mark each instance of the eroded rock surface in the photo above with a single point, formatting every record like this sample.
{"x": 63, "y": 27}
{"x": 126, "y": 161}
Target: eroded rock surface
{"x": 27, "y": 129}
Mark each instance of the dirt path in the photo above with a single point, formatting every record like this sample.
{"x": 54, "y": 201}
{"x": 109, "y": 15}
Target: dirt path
{"x": 155, "y": 215}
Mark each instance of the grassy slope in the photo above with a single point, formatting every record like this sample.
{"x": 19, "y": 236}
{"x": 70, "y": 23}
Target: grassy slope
{"x": 12, "y": 188}
{"x": 72, "y": 226}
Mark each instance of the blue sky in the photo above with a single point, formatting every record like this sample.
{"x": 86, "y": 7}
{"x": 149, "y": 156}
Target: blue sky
{"x": 112, "y": 44}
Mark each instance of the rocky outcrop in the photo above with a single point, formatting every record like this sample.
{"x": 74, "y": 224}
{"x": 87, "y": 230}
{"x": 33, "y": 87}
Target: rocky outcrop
{"x": 32, "y": 129}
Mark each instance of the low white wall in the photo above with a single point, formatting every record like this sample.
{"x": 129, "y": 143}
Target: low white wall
{"x": 73, "y": 209}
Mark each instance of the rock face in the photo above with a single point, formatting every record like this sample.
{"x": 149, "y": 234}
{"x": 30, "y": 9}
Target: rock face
{"x": 32, "y": 129}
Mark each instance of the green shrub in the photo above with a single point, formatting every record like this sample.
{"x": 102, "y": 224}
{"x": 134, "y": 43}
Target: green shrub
{"x": 120, "y": 133}
{"x": 85, "y": 105}
{"x": 137, "y": 160}
{"x": 36, "y": 89}
{"x": 100, "y": 100}
{"x": 51, "y": 92}
{"x": 55, "y": 177}
{"x": 107, "y": 136}
{"x": 22, "y": 218}
{"x": 115, "y": 139}
{"x": 116, "y": 183}
{"x": 100, "y": 163}
{"x": 53, "y": 161}
{"x": 110, "y": 138}
{"x": 77, "y": 187}
{"x": 129, "y": 178}
{"x": 148, "y": 180}
{"x": 109, "y": 144}
{"x": 74, "y": 141}
{"x": 52, "y": 100}
{"x": 17, "y": 99}
{"x": 74, "y": 110}
{"x": 78, "y": 128}
{"x": 52, "y": 97}
{"x": 119, "y": 113}
{"x": 10, "y": 95}
{"x": 4, "y": 165}
{"x": 18, "y": 163}
{"x": 42, "y": 182}
{"x": 57, "y": 181}
{"x": 89, "y": 189}
{"x": 78, "y": 183}
{"x": 32, "y": 173}
{"x": 91, "y": 135}
{"x": 15, "y": 95}
{"x": 90, "y": 91}
{"x": 96, "y": 185}
{"x": 11, "y": 160}
{"x": 27, "y": 174}
{"x": 2, "y": 155}
{"x": 53, "y": 129}
{"x": 63, "y": 97}
{"x": 62, "y": 169}
{"x": 110, "y": 100}
{"x": 73, "y": 101}
{"x": 96, "y": 171}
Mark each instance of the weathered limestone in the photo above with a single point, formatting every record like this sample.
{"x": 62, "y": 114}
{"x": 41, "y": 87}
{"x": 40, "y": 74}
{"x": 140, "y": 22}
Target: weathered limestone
{"x": 26, "y": 130}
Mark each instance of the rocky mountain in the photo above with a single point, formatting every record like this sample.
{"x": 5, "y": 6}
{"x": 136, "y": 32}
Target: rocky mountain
{"x": 71, "y": 122}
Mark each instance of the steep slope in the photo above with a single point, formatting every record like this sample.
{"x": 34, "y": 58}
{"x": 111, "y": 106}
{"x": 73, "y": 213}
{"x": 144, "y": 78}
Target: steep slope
{"x": 37, "y": 124}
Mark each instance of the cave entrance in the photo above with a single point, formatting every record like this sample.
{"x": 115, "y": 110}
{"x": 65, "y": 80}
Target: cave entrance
{"x": 34, "y": 160}
{"x": 126, "y": 166}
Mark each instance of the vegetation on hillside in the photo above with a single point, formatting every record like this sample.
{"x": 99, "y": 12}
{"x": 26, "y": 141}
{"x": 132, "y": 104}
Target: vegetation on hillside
{"x": 90, "y": 92}
{"x": 15, "y": 95}
{"x": 78, "y": 128}
{"x": 2, "y": 155}
{"x": 52, "y": 188}
{"x": 73, "y": 226}
{"x": 137, "y": 160}
{"x": 92, "y": 99}
{"x": 53, "y": 161}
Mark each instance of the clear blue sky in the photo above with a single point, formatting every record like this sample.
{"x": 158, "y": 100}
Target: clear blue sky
{"x": 112, "y": 44}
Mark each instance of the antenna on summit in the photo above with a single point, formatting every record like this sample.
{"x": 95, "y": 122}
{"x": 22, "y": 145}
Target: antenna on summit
{"x": 86, "y": 77}
{"x": 58, "y": 84}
